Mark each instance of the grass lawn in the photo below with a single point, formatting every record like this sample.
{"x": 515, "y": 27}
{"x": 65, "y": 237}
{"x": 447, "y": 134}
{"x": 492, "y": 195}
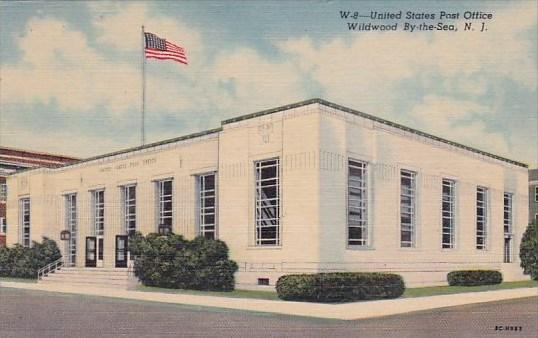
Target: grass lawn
{"x": 18, "y": 280}
{"x": 256, "y": 294}
{"x": 409, "y": 293}
{"x": 446, "y": 290}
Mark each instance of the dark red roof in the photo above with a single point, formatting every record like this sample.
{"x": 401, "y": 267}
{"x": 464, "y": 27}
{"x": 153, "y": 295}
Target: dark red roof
{"x": 26, "y": 158}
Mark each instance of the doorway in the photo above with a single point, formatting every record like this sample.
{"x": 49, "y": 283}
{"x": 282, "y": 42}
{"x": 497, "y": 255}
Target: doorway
{"x": 122, "y": 247}
{"x": 91, "y": 252}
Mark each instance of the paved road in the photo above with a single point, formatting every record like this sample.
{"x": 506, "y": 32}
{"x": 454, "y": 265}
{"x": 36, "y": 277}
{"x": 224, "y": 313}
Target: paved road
{"x": 25, "y": 313}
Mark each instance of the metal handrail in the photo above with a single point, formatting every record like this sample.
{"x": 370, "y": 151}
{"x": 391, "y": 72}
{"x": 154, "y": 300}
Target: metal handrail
{"x": 51, "y": 267}
{"x": 130, "y": 265}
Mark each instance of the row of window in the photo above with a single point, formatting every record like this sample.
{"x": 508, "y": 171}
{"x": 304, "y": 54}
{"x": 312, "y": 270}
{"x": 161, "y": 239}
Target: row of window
{"x": 267, "y": 218}
{"x": 358, "y": 230}
{"x": 267, "y": 208}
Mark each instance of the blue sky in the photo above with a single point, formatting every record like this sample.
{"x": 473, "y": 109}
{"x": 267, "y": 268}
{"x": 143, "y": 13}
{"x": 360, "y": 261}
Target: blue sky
{"x": 71, "y": 70}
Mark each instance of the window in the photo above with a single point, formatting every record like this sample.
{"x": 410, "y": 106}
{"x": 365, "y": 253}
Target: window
{"x": 3, "y": 225}
{"x": 98, "y": 202}
{"x": 448, "y": 213}
{"x": 407, "y": 208}
{"x": 129, "y": 208}
{"x": 357, "y": 204}
{"x": 263, "y": 281}
{"x": 3, "y": 191}
{"x": 508, "y": 200}
{"x": 481, "y": 217}
{"x": 24, "y": 221}
{"x": 536, "y": 193}
{"x": 164, "y": 204}
{"x": 71, "y": 226}
{"x": 207, "y": 208}
{"x": 267, "y": 202}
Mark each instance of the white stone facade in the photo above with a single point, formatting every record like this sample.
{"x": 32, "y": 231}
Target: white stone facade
{"x": 313, "y": 142}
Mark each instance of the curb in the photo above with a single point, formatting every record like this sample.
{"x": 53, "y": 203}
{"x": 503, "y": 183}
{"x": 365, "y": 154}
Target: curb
{"x": 347, "y": 311}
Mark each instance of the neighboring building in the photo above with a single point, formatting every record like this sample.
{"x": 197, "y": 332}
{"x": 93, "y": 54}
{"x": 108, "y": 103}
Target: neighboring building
{"x": 307, "y": 187}
{"x": 533, "y": 195}
{"x": 12, "y": 160}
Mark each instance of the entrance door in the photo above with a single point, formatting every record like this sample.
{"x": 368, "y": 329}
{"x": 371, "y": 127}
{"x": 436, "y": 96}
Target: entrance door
{"x": 91, "y": 252}
{"x": 507, "y": 249}
{"x": 121, "y": 251}
{"x": 100, "y": 251}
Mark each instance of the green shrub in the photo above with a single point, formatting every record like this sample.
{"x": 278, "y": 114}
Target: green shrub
{"x": 474, "y": 277}
{"x": 172, "y": 262}
{"x": 20, "y": 262}
{"x": 340, "y": 286}
{"x": 528, "y": 251}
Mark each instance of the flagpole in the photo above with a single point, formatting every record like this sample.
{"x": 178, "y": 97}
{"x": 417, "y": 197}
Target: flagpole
{"x": 143, "y": 103}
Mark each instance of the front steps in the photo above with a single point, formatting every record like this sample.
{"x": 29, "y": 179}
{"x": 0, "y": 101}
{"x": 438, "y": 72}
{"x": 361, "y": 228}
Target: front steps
{"x": 90, "y": 277}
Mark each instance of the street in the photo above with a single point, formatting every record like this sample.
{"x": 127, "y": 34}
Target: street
{"x": 25, "y": 313}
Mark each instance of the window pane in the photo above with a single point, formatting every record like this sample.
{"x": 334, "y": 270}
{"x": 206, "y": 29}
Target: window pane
{"x": 357, "y": 200}
{"x": 267, "y": 204}
{"x": 448, "y": 213}
{"x": 407, "y": 208}
{"x": 207, "y": 202}
{"x": 481, "y": 218}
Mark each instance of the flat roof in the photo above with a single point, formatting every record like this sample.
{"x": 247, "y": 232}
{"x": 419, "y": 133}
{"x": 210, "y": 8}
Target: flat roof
{"x": 373, "y": 118}
{"x": 292, "y": 106}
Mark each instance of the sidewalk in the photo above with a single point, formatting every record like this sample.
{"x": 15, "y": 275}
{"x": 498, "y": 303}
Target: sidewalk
{"x": 348, "y": 311}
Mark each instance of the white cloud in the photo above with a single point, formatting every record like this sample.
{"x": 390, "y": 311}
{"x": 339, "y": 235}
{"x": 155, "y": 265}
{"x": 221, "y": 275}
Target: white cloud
{"x": 59, "y": 141}
{"x": 254, "y": 82}
{"x": 368, "y": 69}
{"x": 119, "y": 27}
{"x": 59, "y": 65}
{"x": 457, "y": 120}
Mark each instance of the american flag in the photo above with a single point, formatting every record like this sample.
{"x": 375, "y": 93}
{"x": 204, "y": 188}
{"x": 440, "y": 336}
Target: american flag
{"x": 158, "y": 48}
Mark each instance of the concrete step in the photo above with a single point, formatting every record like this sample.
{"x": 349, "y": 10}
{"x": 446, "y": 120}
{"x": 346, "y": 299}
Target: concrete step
{"x": 94, "y": 270}
{"x": 89, "y": 277}
{"x": 84, "y": 278}
{"x": 97, "y": 274}
{"x": 92, "y": 273}
{"x": 86, "y": 285}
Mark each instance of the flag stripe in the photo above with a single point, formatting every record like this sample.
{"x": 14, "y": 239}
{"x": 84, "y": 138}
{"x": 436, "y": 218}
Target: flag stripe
{"x": 168, "y": 58}
{"x": 155, "y": 51}
{"x": 172, "y": 46}
{"x": 183, "y": 57}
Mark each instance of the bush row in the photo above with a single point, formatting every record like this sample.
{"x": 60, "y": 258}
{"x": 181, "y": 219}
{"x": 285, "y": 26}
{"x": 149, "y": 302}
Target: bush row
{"x": 170, "y": 261}
{"x": 474, "y": 277}
{"x": 20, "y": 262}
{"x": 339, "y": 286}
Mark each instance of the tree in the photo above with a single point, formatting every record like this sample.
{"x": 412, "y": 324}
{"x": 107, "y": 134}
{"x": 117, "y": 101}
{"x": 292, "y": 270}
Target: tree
{"x": 528, "y": 251}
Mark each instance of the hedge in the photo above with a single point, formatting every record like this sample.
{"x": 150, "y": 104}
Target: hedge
{"x": 170, "y": 261}
{"x": 21, "y": 262}
{"x": 474, "y": 277}
{"x": 528, "y": 251}
{"x": 340, "y": 286}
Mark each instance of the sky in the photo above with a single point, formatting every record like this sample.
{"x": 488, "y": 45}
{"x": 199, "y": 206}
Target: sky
{"x": 71, "y": 71}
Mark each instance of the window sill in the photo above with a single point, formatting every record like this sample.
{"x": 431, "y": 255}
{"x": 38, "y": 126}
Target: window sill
{"x": 407, "y": 247}
{"x": 360, "y": 248}
{"x": 264, "y": 247}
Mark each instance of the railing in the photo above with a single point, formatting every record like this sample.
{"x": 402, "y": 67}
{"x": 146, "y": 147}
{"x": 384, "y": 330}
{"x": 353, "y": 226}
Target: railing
{"x": 130, "y": 265}
{"x": 44, "y": 271}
